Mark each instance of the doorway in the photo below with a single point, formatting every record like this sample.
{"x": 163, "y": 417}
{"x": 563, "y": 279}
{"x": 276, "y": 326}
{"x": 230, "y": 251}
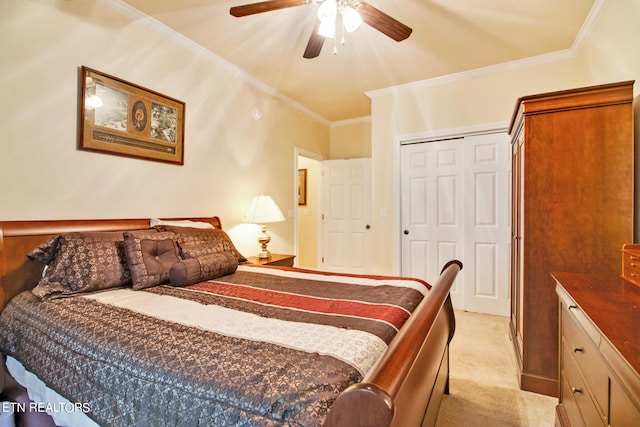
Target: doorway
{"x": 333, "y": 218}
{"x": 307, "y": 216}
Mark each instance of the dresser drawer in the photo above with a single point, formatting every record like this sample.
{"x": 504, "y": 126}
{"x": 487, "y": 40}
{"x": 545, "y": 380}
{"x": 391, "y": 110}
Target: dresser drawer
{"x": 578, "y": 392}
{"x": 624, "y": 412}
{"x": 631, "y": 263}
{"x": 580, "y": 348}
{"x": 570, "y": 404}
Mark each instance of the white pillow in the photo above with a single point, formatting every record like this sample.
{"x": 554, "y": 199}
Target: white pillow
{"x": 183, "y": 223}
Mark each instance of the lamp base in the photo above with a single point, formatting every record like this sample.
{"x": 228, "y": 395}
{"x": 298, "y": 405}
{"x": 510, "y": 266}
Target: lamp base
{"x": 264, "y": 240}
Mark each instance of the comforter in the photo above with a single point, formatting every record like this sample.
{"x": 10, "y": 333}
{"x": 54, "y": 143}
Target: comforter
{"x": 261, "y": 347}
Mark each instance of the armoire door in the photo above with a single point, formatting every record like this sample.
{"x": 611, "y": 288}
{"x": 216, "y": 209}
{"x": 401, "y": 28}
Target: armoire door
{"x": 455, "y": 201}
{"x": 517, "y": 243}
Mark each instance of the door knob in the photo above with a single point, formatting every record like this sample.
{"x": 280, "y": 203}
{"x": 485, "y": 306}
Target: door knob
{"x": 406, "y": 231}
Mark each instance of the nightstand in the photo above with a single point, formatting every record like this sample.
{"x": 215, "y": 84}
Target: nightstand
{"x": 276, "y": 259}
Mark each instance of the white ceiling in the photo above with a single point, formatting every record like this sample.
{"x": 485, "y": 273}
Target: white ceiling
{"x": 449, "y": 36}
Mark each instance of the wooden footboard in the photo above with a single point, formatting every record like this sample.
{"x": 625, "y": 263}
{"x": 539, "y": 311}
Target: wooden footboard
{"x": 405, "y": 387}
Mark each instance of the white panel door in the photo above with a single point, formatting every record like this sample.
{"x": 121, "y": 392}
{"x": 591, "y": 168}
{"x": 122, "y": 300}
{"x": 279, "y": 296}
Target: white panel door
{"x": 455, "y": 204}
{"x": 432, "y": 210}
{"x": 346, "y": 216}
{"x": 487, "y": 227}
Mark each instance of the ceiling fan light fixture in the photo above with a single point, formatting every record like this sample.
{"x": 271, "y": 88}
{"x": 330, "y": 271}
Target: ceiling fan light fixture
{"x": 327, "y": 29}
{"x": 328, "y": 11}
{"x": 351, "y": 19}
{"x": 333, "y": 15}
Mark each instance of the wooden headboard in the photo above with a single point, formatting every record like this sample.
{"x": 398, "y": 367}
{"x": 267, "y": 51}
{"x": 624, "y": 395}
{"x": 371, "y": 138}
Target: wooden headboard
{"x": 18, "y": 238}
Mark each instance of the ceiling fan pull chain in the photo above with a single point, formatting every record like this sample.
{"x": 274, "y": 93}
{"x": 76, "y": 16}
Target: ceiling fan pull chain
{"x": 335, "y": 36}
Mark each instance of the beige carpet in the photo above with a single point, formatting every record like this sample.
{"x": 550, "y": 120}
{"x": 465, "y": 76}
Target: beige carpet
{"x": 484, "y": 384}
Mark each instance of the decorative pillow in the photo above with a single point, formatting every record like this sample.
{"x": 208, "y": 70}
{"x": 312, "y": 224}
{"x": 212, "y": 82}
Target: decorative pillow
{"x": 185, "y": 272}
{"x": 194, "y": 242}
{"x": 207, "y": 267}
{"x": 82, "y": 262}
{"x": 150, "y": 255}
{"x": 46, "y": 252}
{"x": 182, "y": 223}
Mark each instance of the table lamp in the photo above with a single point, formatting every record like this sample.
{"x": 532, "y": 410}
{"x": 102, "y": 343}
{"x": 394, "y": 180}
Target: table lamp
{"x": 262, "y": 211}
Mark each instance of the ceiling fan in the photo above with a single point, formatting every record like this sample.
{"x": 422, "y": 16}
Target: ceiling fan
{"x": 350, "y": 12}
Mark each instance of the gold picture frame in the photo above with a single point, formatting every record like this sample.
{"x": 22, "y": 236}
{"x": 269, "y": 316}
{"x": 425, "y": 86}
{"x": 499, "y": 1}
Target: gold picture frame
{"x": 302, "y": 187}
{"x": 122, "y": 118}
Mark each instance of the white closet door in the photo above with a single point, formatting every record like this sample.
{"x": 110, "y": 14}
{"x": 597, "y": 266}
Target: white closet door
{"x": 455, "y": 204}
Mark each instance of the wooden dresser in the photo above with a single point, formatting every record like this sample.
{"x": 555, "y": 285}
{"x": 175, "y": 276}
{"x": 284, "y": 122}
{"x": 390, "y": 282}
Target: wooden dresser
{"x": 599, "y": 351}
{"x": 573, "y": 177}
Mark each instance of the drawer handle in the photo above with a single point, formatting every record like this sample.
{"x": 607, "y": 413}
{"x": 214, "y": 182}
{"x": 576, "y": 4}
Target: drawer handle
{"x": 578, "y": 349}
{"x": 576, "y": 390}
{"x": 572, "y": 306}
{"x": 633, "y": 257}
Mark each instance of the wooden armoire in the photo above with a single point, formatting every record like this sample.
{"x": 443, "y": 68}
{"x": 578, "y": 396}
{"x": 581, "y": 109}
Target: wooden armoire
{"x": 572, "y": 209}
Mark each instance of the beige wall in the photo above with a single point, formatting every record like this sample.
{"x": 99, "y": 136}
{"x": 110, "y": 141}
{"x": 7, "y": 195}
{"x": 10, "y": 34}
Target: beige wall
{"x": 229, "y": 156}
{"x": 351, "y": 139}
{"x": 609, "y": 54}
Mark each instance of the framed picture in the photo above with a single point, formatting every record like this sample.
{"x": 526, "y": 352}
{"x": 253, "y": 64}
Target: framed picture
{"x": 302, "y": 187}
{"x": 118, "y": 117}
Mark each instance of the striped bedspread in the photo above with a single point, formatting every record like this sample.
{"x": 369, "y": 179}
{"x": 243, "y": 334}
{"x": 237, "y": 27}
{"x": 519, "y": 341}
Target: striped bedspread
{"x": 261, "y": 347}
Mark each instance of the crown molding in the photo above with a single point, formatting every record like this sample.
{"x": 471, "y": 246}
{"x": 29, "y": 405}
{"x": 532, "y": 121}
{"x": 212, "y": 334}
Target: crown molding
{"x": 597, "y": 11}
{"x": 141, "y": 18}
{"x": 356, "y": 120}
{"x": 477, "y": 72}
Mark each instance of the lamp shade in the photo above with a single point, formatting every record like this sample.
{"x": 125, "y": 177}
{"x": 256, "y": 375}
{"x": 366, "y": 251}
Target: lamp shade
{"x": 263, "y": 210}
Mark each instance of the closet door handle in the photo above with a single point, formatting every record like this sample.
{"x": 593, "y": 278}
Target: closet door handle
{"x": 576, "y": 390}
{"x": 578, "y": 349}
{"x": 406, "y": 232}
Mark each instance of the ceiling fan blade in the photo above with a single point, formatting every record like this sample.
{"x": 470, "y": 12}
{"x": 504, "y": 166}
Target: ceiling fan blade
{"x": 264, "y": 6}
{"x": 383, "y": 22}
{"x": 314, "y": 46}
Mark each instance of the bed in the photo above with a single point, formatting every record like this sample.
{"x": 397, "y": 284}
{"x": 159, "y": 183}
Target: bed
{"x": 134, "y": 354}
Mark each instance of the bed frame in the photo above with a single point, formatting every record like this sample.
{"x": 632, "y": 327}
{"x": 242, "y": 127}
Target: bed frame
{"x": 403, "y": 389}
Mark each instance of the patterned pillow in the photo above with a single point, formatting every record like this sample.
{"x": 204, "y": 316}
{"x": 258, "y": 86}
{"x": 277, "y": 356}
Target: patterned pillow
{"x": 150, "y": 255}
{"x": 206, "y": 267}
{"x": 81, "y": 262}
{"x": 46, "y": 252}
{"x": 195, "y": 242}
